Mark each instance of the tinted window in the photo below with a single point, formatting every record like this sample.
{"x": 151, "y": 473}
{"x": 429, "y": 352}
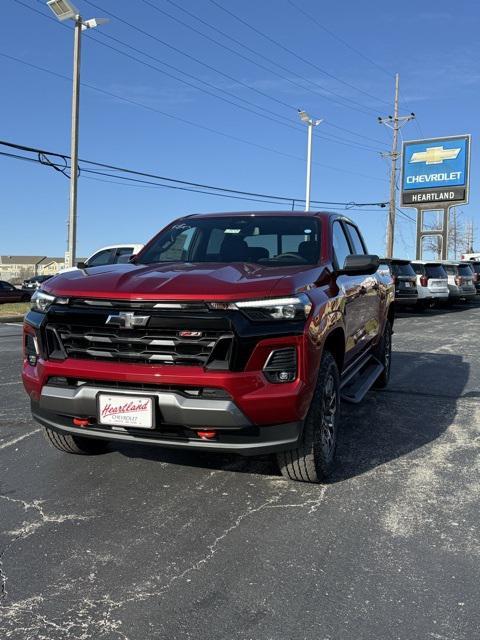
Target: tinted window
{"x": 101, "y": 258}
{"x": 465, "y": 270}
{"x": 123, "y": 253}
{"x": 3, "y": 285}
{"x": 341, "y": 248}
{"x": 402, "y": 269}
{"x": 357, "y": 243}
{"x": 435, "y": 271}
{"x": 419, "y": 269}
{"x": 268, "y": 240}
{"x": 450, "y": 269}
{"x": 476, "y": 266}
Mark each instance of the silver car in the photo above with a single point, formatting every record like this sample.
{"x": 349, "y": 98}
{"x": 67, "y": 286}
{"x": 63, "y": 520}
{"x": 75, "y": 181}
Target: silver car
{"x": 460, "y": 280}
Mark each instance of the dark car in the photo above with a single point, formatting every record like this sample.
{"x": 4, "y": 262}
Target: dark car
{"x": 475, "y": 266}
{"x": 9, "y": 293}
{"x": 31, "y": 284}
{"x": 405, "y": 281}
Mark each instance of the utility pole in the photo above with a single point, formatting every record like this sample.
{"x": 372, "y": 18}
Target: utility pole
{"x": 394, "y": 123}
{"x": 310, "y": 122}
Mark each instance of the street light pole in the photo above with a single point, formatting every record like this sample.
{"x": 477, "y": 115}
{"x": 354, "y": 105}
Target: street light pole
{"x": 72, "y": 214}
{"x": 310, "y": 122}
{"x": 66, "y": 10}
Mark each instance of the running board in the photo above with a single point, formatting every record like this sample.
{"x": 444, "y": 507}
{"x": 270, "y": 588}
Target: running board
{"x": 357, "y": 384}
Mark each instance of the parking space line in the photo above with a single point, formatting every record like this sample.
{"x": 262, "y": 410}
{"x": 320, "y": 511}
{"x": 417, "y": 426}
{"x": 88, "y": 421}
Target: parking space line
{"x": 4, "y": 384}
{"x": 15, "y": 440}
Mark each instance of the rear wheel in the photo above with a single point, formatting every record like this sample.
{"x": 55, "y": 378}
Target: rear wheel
{"x": 314, "y": 458}
{"x": 384, "y": 355}
{"x": 69, "y": 443}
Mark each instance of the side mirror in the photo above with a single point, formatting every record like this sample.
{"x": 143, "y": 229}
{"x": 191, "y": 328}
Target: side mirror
{"x": 132, "y": 257}
{"x": 360, "y": 265}
{"x": 82, "y": 265}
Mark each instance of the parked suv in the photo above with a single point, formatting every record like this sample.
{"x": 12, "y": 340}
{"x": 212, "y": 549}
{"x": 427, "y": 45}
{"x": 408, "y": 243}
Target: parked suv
{"x": 113, "y": 254}
{"x": 475, "y": 266}
{"x": 232, "y": 332}
{"x": 432, "y": 282}
{"x": 460, "y": 281}
{"x": 405, "y": 281}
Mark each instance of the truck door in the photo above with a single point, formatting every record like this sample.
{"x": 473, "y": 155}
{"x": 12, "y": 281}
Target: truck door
{"x": 370, "y": 289}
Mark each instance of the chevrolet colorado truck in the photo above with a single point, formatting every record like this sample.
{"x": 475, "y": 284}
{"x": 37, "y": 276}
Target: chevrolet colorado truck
{"x": 235, "y": 332}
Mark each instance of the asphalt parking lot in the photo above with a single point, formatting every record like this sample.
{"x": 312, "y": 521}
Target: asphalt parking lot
{"x": 141, "y": 543}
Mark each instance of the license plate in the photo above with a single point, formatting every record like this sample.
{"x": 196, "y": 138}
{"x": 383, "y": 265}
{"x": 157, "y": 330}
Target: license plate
{"x": 125, "y": 411}
{"x": 408, "y": 284}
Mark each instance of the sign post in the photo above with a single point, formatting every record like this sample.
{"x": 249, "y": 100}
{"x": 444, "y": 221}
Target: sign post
{"x": 435, "y": 175}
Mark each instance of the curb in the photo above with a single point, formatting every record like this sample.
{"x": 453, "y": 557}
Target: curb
{"x": 4, "y": 319}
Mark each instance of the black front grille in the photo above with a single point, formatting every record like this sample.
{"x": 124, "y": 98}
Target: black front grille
{"x": 153, "y": 346}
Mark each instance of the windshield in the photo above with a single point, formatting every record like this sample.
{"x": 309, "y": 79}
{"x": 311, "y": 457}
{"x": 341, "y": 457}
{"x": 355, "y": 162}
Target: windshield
{"x": 436, "y": 271}
{"x": 279, "y": 241}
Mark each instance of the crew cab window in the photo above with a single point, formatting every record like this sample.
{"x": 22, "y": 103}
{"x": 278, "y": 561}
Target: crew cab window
{"x": 101, "y": 258}
{"x": 268, "y": 240}
{"x": 341, "y": 247}
{"x": 357, "y": 242}
{"x": 6, "y": 286}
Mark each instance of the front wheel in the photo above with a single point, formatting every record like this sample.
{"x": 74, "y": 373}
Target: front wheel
{"x": 69, "y": 443}
{"x": 314, "y": 458}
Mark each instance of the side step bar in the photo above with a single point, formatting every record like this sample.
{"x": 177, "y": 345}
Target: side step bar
{"x": 358, "y": 383}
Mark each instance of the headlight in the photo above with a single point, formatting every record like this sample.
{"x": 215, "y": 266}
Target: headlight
{"x": 42, "y": 301}
{"x": 291, "y": 308}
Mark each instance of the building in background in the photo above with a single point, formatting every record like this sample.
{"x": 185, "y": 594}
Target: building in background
{"x": 16, "y": 269}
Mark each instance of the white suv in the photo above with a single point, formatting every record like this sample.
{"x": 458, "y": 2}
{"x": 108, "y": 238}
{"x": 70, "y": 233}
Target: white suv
{"x": 113, "y": 254}
{"x": 432, "y": 282}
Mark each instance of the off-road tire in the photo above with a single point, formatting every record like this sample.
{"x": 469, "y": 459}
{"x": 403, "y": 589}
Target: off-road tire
{"x": 75, "y": 444}
{"x": 384, "y": 355}
{"x": 314, "y": 457}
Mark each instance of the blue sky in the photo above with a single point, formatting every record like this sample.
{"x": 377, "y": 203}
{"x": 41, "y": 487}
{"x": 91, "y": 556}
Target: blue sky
{"x": 433, "y": 45}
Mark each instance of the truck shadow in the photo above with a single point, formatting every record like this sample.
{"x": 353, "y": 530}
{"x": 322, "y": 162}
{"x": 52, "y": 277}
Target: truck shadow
{"x": 418, "y": 407}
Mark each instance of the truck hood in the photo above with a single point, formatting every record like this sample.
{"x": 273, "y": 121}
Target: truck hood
{"x": 183, "y": 281}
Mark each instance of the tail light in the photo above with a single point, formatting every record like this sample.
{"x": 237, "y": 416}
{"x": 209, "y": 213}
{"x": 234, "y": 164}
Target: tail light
{"x": 475, "y": 278}
{"x": 458, "y": 281}
{"x": 424, "y": 281}
{"x": 395, "y": 280}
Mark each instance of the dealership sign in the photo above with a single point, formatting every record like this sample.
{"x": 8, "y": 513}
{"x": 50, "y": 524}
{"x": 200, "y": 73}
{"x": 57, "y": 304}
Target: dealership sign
{"x": 435, "y": 171}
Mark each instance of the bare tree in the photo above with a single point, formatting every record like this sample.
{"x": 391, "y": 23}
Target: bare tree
{"x": 459, "y": 236}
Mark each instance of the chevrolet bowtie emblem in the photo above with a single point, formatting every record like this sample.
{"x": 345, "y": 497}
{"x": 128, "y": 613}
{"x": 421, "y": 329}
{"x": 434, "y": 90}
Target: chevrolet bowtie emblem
{"x": 127, "y": 320}
{"x": 434, "y": 155}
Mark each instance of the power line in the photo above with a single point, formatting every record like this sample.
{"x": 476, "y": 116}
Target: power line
{"x": 255, "y": 52}
{"x": 184, "y": 120}
{"x": 361, "y": 54}
{"x": 287, "y": 123}
{"x": 344, "y": 42}
{"x": 178, "y": 183}
{"x": 304, "y": 60}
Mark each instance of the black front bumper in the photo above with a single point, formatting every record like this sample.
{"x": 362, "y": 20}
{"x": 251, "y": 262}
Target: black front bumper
{"x": 245, "y": 440}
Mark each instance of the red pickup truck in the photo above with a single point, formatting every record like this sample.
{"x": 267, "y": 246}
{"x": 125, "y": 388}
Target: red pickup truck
{"x": 235, "y": 332}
